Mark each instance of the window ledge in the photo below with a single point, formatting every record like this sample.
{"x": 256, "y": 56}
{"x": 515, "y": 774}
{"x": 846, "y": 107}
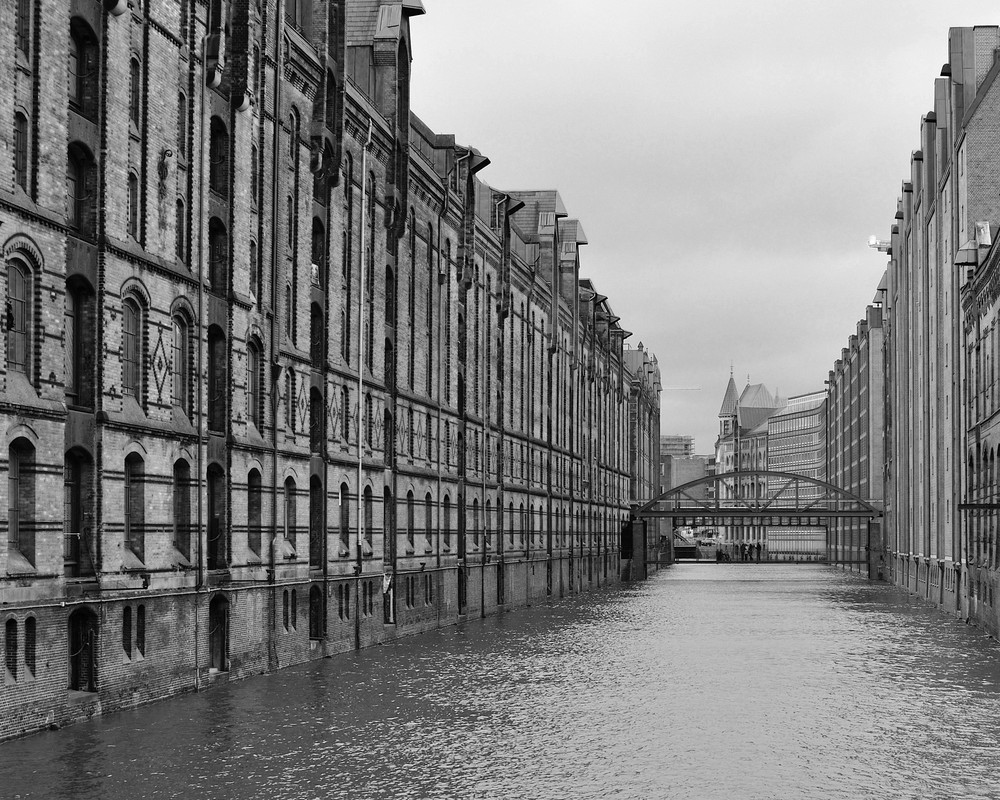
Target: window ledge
{"x": 18, "y": 564}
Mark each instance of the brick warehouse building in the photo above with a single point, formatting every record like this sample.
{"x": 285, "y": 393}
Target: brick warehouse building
{"x": 936, "y": 452}
{"x": 200, "y": 207}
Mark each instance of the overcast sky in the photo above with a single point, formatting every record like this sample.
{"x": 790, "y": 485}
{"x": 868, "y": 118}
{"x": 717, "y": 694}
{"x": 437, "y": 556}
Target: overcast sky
{"x": 728, "y": 160}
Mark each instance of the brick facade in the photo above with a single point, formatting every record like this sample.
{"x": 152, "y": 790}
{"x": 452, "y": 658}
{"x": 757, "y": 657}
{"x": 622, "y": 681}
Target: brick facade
{"x": 232, "y": 253}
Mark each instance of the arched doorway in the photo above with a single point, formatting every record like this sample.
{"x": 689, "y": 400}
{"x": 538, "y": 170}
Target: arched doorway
{"x": 218, "y": 634}
{"x": 82, "y": 635}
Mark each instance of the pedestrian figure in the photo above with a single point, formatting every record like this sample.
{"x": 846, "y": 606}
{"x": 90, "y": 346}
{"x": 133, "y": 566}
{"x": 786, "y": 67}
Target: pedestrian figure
{"x": 758, "y": 552}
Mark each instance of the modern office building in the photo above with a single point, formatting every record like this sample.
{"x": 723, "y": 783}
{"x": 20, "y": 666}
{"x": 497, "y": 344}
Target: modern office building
{"x": 303, "y": 380}
{"x": 796, "y": 443}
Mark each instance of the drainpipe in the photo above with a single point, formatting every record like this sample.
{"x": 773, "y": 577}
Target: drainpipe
{"x": 362, "y": 411}
{"x": 441, "y": 280}
{"x": 201, "y": 362}
{"x": 279, "y": 35}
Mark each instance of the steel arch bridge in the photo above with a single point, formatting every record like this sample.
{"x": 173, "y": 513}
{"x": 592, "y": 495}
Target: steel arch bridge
{"x": 759, "y": 497}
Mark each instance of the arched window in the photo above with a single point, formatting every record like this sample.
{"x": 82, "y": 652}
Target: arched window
{"x": 133, "y": 205}
{"x": 475, "y": 522}
{"x": 22, "y": 27}
{"x": 369, "y": 421}
{"x": 317, "y": 333}
{"x": 180, "y": 234}
{"x": 83, "y": 68}
{"x": 134, "y": 504}
{"x": 30, "y": 644}
{"x": 21, "y": 142}
{"x": 345, "y": 517}
{"x": 488, "y": 524}
{"x": 315, "y": 613}
{"x": 290, "y": 515}
{"x": 127, "y": 631}
{"x": 390, "y": 296}
{"x": 369, "y": 516}
{"x": 218, "y": 157}
{"x": 20, "y": 291}
{"x": 140, "y": 629}
{"x": 254, "y": 511}
{"x": 256, "y": 285}
{"x": 429, "y": 521}
{"x": 255, "y": 182}
{"x": 255, "y": 399}
{"x": 181, "y": 364}
{"x": 318, "y": 253}
{"x": 388, "y": 438}
{"x": 389, "y": 364}
{"x": 317, "y": 430}
{"x": 10, "y": 648}
{"x": 132, "y": 349}
{"x": 218, "y": 634}
{"x": 289, "y": 400}
{"x": 345, "y": 414}
{"x": 83, "y": 649}
{"x": 79, "y": 176}
{"x": 76, "y": 557}
{"x": 135, "y": 92}
{"x": 217, "y": 379}
{"x": 218, "y": 254}
{"x": 446, "y": 520}
{"x": 293, "y": 129}
{"x": 317, "y": 544}
{"x": 182, "y": 507}
{"x": 182, "y": 121}
{"x": 410, "y": 522}
{"x": 21, "y": 498}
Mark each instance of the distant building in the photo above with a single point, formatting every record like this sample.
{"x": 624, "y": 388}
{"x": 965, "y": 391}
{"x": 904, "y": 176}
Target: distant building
{"x": 855, "y": 447}
{"x": 796, "y": 443}
{"x": 672, "y": 444}
{"x": 741, "y": 447}
{"x": 642, "y": 376}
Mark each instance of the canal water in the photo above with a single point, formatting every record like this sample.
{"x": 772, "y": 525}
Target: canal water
{"x": 707, "y": 681}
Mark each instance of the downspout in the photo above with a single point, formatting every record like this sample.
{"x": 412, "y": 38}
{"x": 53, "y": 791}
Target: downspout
{"x": 201, "y": 387}
{"x": 442, "y": 277}
{"x": 362, "y": 410}
{"x": 279, "y": 35}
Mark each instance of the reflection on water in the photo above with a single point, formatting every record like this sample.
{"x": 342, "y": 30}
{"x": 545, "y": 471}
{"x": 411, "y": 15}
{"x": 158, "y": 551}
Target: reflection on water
{"x": 708, "y": 681}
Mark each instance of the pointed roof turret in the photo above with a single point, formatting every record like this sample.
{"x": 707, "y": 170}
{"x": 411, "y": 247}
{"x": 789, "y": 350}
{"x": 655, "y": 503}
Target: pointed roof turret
{"x": 730, "y": 400}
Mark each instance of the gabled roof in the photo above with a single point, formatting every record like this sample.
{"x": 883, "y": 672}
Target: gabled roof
{"x": 730, "y": 400}
{"x": 755, "y": 405}
{"x": 756, "y": 396}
